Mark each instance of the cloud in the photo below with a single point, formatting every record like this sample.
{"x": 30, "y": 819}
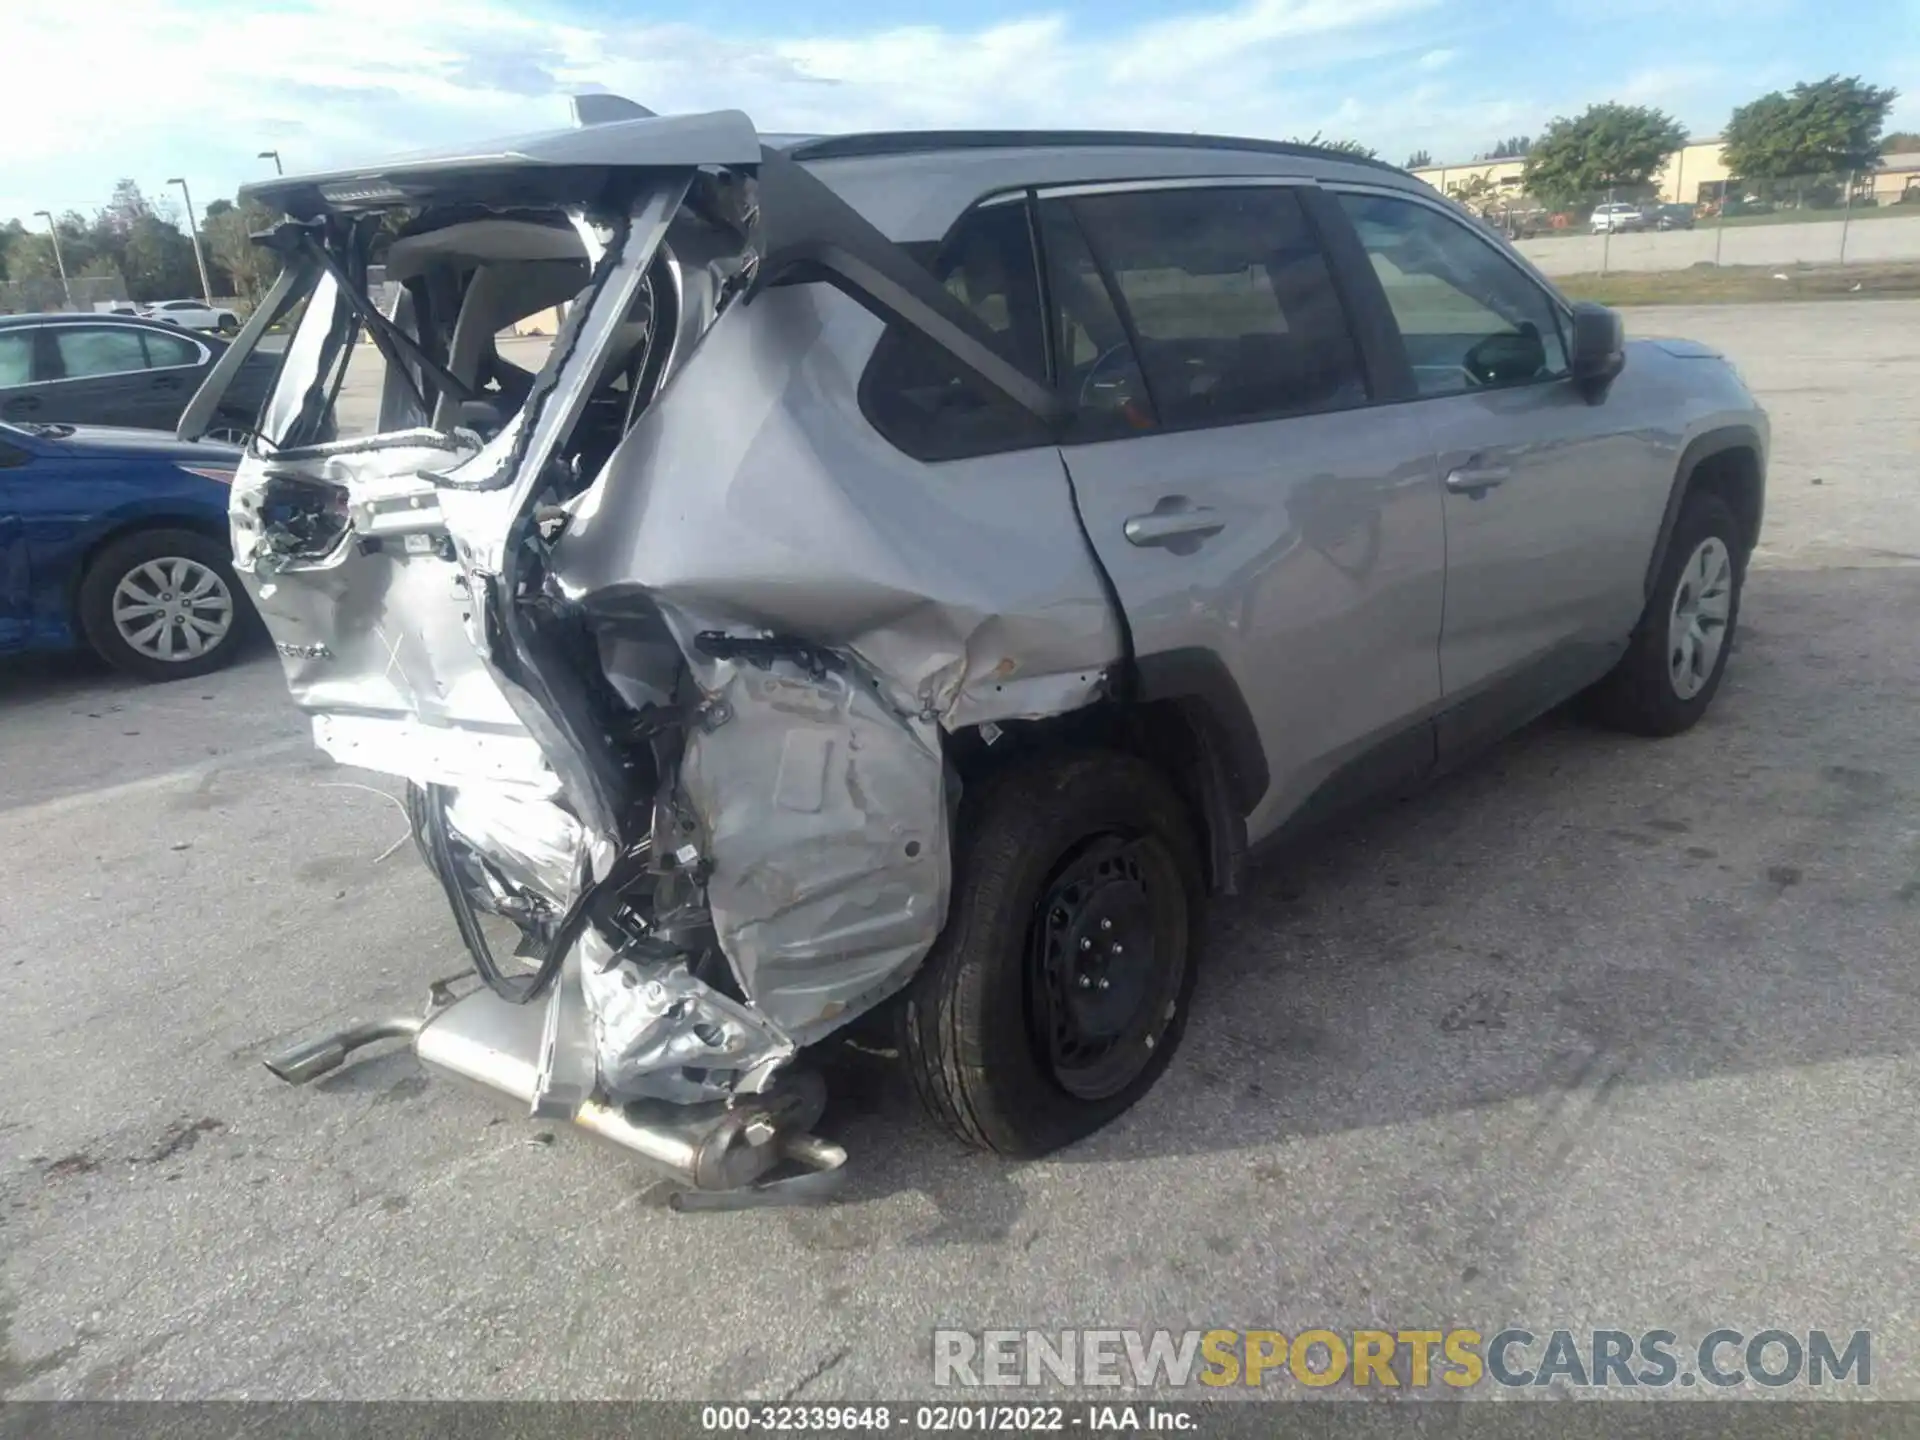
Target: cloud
{"x": 1436, "y": 59}
{"x": 1666, "y": 86}
{"x": 332, "y": 81}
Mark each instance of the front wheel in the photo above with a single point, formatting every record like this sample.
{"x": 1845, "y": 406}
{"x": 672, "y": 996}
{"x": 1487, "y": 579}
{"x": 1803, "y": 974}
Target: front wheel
{"x": 1678, "y": 654}
{"x": 163, "y": 605}
{"x": 1058, "y": 990}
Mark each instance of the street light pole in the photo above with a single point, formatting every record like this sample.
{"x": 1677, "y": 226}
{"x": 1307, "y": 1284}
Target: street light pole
{"x": 193, "y": 234}
{"x": 59, "y": 261}
{"x": 273, "y": 155}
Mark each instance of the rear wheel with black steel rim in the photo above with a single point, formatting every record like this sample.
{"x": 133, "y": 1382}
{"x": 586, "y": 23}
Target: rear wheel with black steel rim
{"x": 1058, "y": 990}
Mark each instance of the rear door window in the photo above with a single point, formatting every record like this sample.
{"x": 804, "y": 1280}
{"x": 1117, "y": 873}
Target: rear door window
{"x": 1471, "y": 318}
{"x": 86, "y": 352}
{"x": 1228, "y": 303}
{"x": 166, "y": 351}
{"x": 16, "y": 357}
{"x": 914, "y": 393}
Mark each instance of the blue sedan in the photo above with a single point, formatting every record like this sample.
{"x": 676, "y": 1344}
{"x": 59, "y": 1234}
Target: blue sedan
{"x": 117, "y": 539}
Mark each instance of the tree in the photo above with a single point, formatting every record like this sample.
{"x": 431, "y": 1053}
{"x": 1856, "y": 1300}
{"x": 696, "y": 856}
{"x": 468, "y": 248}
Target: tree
{"x": 1345, "y": 147}
{"x": 158, "y": 261}
{"x": 10, "y": 234}
{"x": 1514, "y": 147}
{"x": 1900, "y": 142}
{"x": 1418, "y": 160}
{"x": 1608, "y": 149}
{"x": 216, "y": 207}
{"x": 1479, "y": 193}
{"x": 1828, "y": 127}
{"x": 229, "y": 231}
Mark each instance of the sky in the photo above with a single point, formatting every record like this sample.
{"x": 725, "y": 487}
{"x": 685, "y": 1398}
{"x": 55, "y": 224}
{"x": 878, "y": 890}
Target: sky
{"x": 101, "y": 89}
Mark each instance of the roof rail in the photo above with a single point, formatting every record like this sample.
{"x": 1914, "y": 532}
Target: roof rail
{"x": 920, "y": 142}
{"x": 603, "y": 109}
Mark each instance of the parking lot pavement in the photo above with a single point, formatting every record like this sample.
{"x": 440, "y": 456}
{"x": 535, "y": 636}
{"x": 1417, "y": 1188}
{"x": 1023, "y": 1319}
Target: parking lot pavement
{"x": 1597, "y": 1032}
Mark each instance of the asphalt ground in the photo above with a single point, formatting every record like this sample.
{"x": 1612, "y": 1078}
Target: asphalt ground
{"x": 1598, "y": 1032}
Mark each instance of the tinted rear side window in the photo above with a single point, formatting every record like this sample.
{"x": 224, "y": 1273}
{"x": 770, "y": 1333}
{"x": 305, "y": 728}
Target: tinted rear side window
{"x": 16, "y": 357}
{"x": 1099, "y": 374}
{"x": 165, "y": 351}
{"x": 914, "y": 393}
{"x": 87, "y": 353}
{"x": 1227, "y": 293}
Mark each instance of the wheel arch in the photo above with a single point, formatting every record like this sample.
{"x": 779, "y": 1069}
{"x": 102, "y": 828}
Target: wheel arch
{"x": 1180, "y": 711}
{"x": 1729, "y": 461}
{"x": 126, "y": 525}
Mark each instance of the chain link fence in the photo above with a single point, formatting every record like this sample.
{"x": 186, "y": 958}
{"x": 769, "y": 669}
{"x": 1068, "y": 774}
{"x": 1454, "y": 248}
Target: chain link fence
{"x": 1867, "y": 219}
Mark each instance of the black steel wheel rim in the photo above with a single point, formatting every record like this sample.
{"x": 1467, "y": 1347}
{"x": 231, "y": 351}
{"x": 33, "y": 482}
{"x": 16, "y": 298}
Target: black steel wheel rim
{"x": 1106, "y": 958}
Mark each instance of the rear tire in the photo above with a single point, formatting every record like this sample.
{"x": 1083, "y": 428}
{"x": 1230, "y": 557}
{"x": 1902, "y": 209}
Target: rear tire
{"x": 1058, "y": 990}
{"x": 227, "y": 325}
{"x": 163, "y": 590}
{"x": 1667, "y": 678}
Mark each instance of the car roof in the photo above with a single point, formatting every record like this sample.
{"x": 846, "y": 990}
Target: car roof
{"x": 129, "y": 322}
{"x": 878, "y": 144}
{"x": 613, "y": 133}
{"x": 76, "y": 317}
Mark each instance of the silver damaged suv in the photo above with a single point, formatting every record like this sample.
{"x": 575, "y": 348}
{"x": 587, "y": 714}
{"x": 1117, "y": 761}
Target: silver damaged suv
{"x": 892, "y": 580}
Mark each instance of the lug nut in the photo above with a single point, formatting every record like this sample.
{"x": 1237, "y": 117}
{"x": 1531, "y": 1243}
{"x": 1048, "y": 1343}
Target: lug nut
{"x": 1086, "y": 982}
{"x": 1105, "y": 983}
{"x": 1118, "y": 948}
{"x": 1106, "y": 924}
{"x": 1086, "y": 944}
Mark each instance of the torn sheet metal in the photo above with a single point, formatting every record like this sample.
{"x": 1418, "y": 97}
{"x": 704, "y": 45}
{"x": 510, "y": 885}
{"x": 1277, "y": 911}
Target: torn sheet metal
{"x": 824, "y": 828}
{"x": 659, "y": 1033}
{"x": 534, "y": 847}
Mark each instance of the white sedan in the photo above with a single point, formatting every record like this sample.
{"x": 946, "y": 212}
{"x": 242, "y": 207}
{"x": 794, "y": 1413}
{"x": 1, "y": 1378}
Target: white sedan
{"x": 1616, "y": 218}
{"x": 194, "y": 315}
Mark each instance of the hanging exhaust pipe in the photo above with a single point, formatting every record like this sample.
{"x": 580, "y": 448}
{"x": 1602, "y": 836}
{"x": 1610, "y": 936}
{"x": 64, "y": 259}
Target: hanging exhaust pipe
{"x": 311, "y": 1059}
{"x": 721, "y": 1150}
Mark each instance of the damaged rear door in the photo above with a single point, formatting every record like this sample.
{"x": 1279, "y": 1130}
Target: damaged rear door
{"x": 1253, "y": 525}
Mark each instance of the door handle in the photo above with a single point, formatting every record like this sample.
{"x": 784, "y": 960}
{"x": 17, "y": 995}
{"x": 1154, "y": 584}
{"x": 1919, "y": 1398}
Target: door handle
{"x": 1476, "y": 480}
{"x": 1168, "y": 527}
{"x": 166, "y": 382}
{"x": 25, "y": 405}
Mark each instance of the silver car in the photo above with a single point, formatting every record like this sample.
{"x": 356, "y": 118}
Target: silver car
{"x": 921, "y": 569}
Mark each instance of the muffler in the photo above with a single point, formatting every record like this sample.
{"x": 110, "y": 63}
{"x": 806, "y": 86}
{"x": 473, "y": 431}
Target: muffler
{"x": 723, "y": 1150}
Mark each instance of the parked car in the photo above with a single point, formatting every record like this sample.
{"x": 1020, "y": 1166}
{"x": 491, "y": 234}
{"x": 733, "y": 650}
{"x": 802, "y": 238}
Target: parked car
{"x": 967, "y": 607}
{"x": 1668, "y": 217}
{"x": 116, "y": 539}
{"x": 1616, "y": 218}
{"x": 193, "y": 315}
{"x": 111, "y": 370}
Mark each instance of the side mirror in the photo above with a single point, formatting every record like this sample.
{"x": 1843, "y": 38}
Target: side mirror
{"x": 1508, "y": 359}
{"x": 1599, "y": 349}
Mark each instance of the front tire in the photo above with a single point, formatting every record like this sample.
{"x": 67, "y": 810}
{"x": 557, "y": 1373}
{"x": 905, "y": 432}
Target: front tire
{"x": 1058, "y": 990}
{"x": 163, "y": 605}
{"x": 1678, "y": 654}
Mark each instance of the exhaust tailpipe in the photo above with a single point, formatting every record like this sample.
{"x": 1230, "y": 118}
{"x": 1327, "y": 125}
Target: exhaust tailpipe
{"x": 311, "y": 1059}
{"x": 714, "y": 1148}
